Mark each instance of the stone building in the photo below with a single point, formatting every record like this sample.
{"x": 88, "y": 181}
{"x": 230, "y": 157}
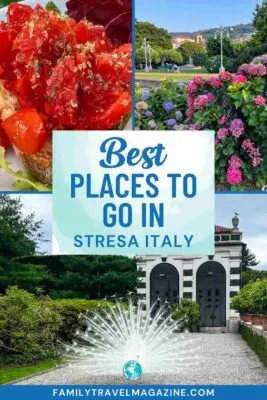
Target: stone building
{"x": 210, "y": 280}
{"x": 177, "y": 40}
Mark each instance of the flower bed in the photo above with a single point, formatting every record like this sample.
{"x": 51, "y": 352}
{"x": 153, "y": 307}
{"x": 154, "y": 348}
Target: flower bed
{"x": 162, "y": 108}
{"x": 235, "y": 106}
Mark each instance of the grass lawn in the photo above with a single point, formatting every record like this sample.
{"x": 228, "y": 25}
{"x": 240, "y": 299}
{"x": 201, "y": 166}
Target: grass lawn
{"x": 13, "y": 372}
{"x": 182, "y": 76}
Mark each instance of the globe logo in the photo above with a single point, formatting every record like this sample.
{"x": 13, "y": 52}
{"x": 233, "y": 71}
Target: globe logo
{"x": 132, "y": 370}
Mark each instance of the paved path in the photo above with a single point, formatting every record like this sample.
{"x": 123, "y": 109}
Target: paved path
{"x": 223, "y": 359}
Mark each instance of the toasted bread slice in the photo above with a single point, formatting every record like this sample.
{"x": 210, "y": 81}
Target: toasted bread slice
{"x": 39, "y": 164}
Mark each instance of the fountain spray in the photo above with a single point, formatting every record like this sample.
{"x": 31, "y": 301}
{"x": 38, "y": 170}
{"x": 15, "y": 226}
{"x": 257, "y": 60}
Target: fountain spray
{"x": 126, "y": 338}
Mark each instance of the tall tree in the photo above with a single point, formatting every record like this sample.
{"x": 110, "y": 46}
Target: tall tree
{"x": 27, "y": 276}
{"x": 171, "y": 56}
{"x": 20, "y": 233}
{"x": 260, "y": 22}
{"x": 190, "y": 50}
{"x": 158, "y": 38}
{"x": 248, "y": 259}
{"x": 88, "y": 277}
{"x": 214, "y": 47}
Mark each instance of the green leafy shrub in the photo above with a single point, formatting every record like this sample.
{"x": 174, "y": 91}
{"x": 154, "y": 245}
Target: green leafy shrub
{"x": 71, "y": 310}
{"x": 213, "y": 64}
{"x": 171, "y": 56}
{"x": 252, "y": 275}
{"x": 252, "y": 298}
{"x": 200, "y": 59}
{"x": 247, "y": 54}
{"x": 28, "y": 326}
{"x": 256, "y": 342}
{"x": 191, "y": 50}
{"x": 51, "y": 6}
{"x": 188, "y": 312}
{"x": 161, "y": 107}
{"x": 141, "y": 59}
{"x": 235, "y": 106}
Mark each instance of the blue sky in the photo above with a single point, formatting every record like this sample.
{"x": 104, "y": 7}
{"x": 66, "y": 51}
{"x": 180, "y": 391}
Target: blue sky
{"x": 252, "y": 210}
{"x": 193, "y": 15}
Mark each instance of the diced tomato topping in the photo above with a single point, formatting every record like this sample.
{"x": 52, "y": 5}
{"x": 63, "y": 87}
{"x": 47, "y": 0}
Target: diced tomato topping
{"x": 18, "y": 13}
{"x": 109, "y": 118}
{"x": 4, "y": 140}
{"x": 6, "y": 41}
{"x": 87, "y": 32}
{"x": 62, "y": 92}
{"x": 26, "y": 130}
{"x": 63, "y": 74}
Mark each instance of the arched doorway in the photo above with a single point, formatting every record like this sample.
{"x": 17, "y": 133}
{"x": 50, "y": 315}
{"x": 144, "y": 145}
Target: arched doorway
{"x": 164, "y": 284}
{"x": 211, "y": 294}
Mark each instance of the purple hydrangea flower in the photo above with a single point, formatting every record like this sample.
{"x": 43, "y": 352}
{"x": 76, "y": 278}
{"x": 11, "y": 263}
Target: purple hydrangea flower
{"x": 168, "y": 105}
{"x": 171, "y": 122}
{"x": 145, "y": 95}
{"x": 148, "y": 113}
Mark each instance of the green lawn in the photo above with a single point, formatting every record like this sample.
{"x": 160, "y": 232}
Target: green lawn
{"x": 182, "y": 76}
{"x": 11, "y": 373}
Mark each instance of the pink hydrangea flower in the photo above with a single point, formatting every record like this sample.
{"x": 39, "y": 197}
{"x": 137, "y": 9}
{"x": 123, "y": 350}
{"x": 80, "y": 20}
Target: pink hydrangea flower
{"x": 190, "y": 112}
{"x": 237, "y": 128}
{"x": 197, "y": 79}
{"x": 195, "y": 127}
{"x": 225, "y": 76}
{"x": 239, "y": 79}
{"x": 193, "y": 86}
{"x": 222, "y": 120}
{"x": 222, "y": 133}
{"x": 202, "y": 100}
{"x": 215, "y": 83}
{"x": 260, "y": 101}
{"x": 253, "y": 152}
{"x": 234, "y": 176}
{"x": 210, "y": 97}
{"x": 235, "y": 162}
{"x": 243, "y": 69}
{"x": 190, "y": 101}
{"x": 256, "y": 70}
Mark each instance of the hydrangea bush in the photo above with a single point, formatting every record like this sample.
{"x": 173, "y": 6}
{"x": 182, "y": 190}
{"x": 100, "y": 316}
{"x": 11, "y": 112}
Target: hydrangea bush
{"x": 235, "y": 106}
{"x": 161, "y": 108}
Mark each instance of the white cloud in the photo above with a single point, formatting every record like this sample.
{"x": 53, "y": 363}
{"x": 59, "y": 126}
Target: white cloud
{"x": 258, "y": 246}
{"x": 41, "y": 205}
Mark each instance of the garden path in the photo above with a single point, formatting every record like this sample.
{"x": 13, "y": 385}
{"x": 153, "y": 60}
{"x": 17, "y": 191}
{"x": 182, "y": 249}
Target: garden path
{"x": 223, "y": 359}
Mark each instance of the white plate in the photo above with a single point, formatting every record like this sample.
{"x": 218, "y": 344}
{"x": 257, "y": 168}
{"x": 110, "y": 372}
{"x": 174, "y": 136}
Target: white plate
{"x": 6, "y": 181}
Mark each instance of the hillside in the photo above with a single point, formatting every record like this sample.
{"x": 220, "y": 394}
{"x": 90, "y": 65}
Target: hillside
{"x": 238, "y": 32}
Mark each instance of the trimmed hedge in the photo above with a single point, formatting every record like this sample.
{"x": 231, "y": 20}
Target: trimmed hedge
{"x": 252, "y": 298}
{"x": 30, "y": 328}
{"x": 256, "y": 342}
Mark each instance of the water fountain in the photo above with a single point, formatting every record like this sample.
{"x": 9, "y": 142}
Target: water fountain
{"x": 126, "y": 337}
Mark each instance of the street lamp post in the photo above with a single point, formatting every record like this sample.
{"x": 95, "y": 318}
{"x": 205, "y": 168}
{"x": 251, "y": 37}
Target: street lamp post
{"x": 147, "y": 48}
{"x": 221, "y": 32}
